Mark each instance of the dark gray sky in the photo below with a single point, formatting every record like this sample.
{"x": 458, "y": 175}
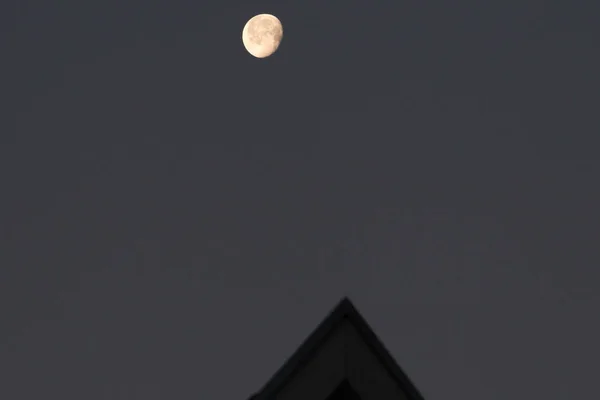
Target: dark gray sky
{"x": 176, "y": 216}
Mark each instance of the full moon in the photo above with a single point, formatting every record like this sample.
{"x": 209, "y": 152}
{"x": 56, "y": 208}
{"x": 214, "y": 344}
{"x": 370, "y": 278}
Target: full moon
{"x": 262, "y": 35}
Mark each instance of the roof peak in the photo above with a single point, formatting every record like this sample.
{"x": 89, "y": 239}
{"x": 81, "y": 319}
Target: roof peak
{"x": 344, "y": 310}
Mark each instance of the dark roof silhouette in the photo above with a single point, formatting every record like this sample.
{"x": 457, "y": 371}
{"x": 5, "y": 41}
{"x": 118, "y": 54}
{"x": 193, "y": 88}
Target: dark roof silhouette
{"x": 344, "y": 311}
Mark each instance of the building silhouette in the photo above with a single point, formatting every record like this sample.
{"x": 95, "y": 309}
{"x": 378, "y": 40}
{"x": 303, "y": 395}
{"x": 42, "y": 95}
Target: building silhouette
{"x": 342, "y": 359}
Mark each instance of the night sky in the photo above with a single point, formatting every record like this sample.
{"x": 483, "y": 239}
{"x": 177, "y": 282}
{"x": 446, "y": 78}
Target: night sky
{"x": 176, "y": 216}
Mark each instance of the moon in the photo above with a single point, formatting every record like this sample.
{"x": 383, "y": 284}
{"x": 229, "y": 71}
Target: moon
{"x": 262, "y": 35}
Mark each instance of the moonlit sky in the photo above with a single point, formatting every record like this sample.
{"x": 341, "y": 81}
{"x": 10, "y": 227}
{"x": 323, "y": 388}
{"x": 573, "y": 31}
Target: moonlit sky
{"x": 176, "y": 216}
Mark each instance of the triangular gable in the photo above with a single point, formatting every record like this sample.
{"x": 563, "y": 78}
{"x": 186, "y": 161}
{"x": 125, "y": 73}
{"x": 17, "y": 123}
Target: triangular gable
{"x": 342, "y": 347}
{"x": 344, "y": 391}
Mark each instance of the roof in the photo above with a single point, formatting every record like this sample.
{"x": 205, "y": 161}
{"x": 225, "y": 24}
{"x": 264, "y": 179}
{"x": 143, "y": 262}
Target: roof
{"x": 344, "y": 310}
